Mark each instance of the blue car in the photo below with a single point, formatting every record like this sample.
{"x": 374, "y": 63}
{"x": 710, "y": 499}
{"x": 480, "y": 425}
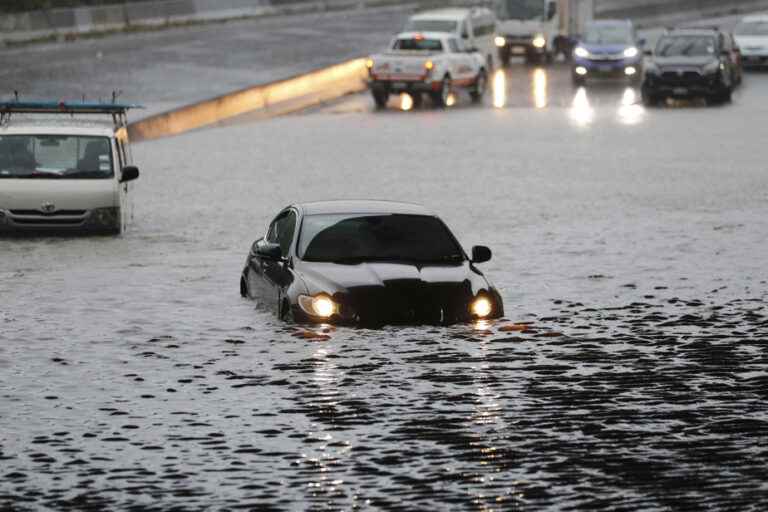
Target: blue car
{"x": 608, "y": 49}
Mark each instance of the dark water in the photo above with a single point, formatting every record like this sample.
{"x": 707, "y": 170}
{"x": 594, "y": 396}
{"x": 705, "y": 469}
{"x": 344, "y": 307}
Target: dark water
{"x": 631, "y": 373}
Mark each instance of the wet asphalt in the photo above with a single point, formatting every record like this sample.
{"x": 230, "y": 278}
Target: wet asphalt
{"x": 630, "y": 373}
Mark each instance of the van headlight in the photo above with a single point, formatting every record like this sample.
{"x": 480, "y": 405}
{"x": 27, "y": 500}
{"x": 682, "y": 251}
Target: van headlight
{"x": 320, "y": 306}
{"x": 104, "y": 217}
{"x": 501, "y": 42}
{"x": 539, "y": 41}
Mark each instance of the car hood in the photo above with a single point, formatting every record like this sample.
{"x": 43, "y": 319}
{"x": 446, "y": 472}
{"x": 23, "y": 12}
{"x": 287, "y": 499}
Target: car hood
{"x": 520, "y": 27}
{"x": 65, "y": 194}
{"x": 605, "y": 49}
{"x": 684, "y": 62}
{"x": 334, "y": 278}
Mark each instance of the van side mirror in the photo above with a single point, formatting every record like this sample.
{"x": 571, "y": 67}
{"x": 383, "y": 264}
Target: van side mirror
{"x": 129, "y": 173}
{"x": 481, "y": 254}
{"x": 268, "y": 251}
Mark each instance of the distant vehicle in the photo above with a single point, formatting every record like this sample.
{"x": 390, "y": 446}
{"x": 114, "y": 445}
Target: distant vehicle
{"x": 475, "y": 27}
{"x": 434, "y": 63}
{"x": 752, "y": 37}
{"x": 689, "y": 63}
{"x": 367, "y": 263}
{"x": 608, "y": 48}
{"x": 539, "y": 30}
{"x": 61, "y": 173}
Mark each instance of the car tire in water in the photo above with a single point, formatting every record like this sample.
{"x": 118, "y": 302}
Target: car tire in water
{"x": 440, "y": 97}
{"x": 243, "y": 287}
{"x": 380, "y": 98}
{"x": 481, "y": 86}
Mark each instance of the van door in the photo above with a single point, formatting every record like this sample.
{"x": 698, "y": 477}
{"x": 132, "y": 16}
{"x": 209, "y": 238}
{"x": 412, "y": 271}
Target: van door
{"x": 126, "y": 206}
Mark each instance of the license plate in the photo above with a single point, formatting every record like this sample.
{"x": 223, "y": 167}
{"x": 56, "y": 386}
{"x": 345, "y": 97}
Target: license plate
{"x": 605, "y": 69}
{"x": 518, "y": 50}
{"x": 680, "y": 91}
{"x": 398, "y": 85}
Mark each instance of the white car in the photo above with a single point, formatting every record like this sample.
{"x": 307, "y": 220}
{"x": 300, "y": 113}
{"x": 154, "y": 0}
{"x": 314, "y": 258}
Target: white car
{"x": 430, "y": 63}
{"x": 752, "y": 37}
{"x": 60, "y": 172}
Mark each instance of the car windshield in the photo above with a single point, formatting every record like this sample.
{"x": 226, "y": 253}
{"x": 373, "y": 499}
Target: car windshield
{"x": 55, "y": 157}
{"x": 431, "y": 26}
{"x": 686, "y": 46}
{"x": 520, "y": 9}
{"x": 608, "y": 34}
{"x": 418, "y": 44}
{"x": 752, "y": 28}
{"x": 376, "y": 237}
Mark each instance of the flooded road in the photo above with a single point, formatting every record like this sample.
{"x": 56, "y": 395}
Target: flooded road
{"x": 631, "y": 372}
{"x": 629, "y": 246}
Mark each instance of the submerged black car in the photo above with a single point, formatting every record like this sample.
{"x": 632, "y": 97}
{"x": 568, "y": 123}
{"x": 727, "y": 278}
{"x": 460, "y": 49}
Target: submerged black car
{"x": 367, "y": 263}
{"x": 689, "y": 63}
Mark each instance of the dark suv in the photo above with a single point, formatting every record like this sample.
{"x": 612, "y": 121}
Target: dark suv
{"x": 689, "y": 63}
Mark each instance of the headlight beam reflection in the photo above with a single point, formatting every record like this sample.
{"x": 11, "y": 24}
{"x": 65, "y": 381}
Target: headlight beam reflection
{"x": 499, "y": 89}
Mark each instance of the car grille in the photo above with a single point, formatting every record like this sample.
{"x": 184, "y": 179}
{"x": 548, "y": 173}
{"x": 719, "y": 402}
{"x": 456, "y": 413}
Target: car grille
{"x": 409, "y": 301}
{"x": 57, "y": 213}
{"x": 682, "y": 78}
{"x": 33, "y": 218}
{"x": 519, "y": 40}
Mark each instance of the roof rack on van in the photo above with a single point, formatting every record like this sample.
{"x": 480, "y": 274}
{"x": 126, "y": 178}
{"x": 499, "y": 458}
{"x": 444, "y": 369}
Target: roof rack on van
{"x": 118, "y": 111}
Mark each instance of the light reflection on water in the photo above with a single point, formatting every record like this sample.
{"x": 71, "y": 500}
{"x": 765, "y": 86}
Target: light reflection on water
{"x": 539, "y": 85}
{"x": 581, "y": 111}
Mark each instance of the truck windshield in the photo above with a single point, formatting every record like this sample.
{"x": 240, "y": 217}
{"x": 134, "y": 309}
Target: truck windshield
{"x": 608, "y": 34}
{"x": 431, "y": 26}
{"x": 362, "y": 238}
{"x": 55, "y": 157}
{"x": 418, "y": 44}
{"x": 686, "y": 46}
{"x": 520, "y": 9}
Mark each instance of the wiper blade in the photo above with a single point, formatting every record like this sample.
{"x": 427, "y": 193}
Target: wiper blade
{"x": 42, "y": 175}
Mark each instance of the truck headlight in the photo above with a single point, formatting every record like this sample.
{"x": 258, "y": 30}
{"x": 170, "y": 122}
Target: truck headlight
{"x": 320, "y": 306}
{"x": 581, "y": 52}
{"x": 539, "y": 41}
{"x": 631, "y": 53}
{"x": 481, "y": 307}
{"x": 501, "y": 42}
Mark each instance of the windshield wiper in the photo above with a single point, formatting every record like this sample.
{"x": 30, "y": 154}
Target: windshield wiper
{"x": 42, "y": 175}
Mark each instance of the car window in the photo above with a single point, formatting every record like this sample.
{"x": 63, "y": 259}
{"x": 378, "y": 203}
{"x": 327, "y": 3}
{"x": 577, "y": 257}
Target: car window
{"x": 281, "y": 231}
{"x": 431, "y": 26}
{"x": 752, "y": 28}
{"x": 686, "y": 46}
{"x": 55, "y": 157}
{"x": 418, "y": 44}
{"x": 608, "y": 34}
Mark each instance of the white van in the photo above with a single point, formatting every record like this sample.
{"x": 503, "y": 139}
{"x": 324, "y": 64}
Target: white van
{"x": 62, "y": 173}
{"x": 475, "y": 26}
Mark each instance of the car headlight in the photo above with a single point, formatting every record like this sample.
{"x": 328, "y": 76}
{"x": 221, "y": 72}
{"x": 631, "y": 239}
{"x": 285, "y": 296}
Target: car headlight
{"x": 481, "y": 307}
{"x": 539, "y": 41}
{"x": 500, "y": 41}
{"x": 581, "y": 52}
{"x": 631, "y": 53}
{"x": 713, "y": 67}
{"x": 321, "y": 306}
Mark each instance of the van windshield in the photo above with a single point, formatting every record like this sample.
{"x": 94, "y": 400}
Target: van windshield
{"x": 55, "y": 157}
{"x": 431, "y": 26}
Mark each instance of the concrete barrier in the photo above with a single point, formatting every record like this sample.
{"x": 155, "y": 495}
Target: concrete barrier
{"x": 279, "y": 97}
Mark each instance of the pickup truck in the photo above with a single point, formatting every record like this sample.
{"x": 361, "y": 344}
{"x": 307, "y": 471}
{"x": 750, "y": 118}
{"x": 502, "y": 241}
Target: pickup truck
{"x": 430, "y": 63}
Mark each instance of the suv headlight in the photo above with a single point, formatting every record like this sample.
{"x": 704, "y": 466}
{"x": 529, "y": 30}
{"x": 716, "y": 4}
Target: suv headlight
{"x": 581, "y": 52}
{"x": 481, "y": 307}
{"x": 631, "y": 52}
{"x": 319, "y": 306}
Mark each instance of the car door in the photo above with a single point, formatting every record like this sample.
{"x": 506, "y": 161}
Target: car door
{"x": 276, "y": 275}
{"x": 463, "y": 69}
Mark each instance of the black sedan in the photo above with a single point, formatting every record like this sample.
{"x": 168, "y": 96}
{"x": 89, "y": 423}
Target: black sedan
{"x": 367, "y": 263}
{"x": 689, "y": 63}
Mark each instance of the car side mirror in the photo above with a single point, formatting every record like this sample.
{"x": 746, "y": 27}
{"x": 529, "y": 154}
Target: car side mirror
{"x": 648, "y": 53}
{"x": 129, "y": 173}
{"x": 269, "y": 251}
{"x": 481, "y": 254}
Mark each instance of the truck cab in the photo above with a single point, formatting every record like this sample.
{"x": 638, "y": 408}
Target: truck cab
{"x": 539, "y": 30}
{"x": 62, "y": 171}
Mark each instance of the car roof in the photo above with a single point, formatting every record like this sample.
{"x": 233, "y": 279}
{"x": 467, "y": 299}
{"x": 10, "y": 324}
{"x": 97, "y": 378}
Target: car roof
{"x": 712, "y": 32}
{"x": 755, "y": 18}
{"x": 21, "y": 125}
{"x": 361, "y": 206}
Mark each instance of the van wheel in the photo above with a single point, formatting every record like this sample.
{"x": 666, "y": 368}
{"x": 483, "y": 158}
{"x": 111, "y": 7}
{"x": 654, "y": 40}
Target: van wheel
{"x": 481, "y": 85}
{"x": 504, "y": 58}
{"x": 440, "y": 97}
{"x": 243, "y": 287}
{"x": 380, "y": 98}
{"x": 418, "y": 100}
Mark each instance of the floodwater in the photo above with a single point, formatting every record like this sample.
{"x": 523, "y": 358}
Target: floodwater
{"x": 631, "y": 372}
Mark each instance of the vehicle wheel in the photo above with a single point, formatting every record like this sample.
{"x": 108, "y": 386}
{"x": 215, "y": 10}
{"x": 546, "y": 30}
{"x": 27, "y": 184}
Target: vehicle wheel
{"x": 243, "y": 287}
{"x": 440, "y": 98}
{"x": 504, "y": 58}
{"x": 380, "y": 98}
{"x": 650, "y": 99}
{"x": 418, "y": 100}
{"x": 531, "y": 58}
{"x": 481, "y": 85}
